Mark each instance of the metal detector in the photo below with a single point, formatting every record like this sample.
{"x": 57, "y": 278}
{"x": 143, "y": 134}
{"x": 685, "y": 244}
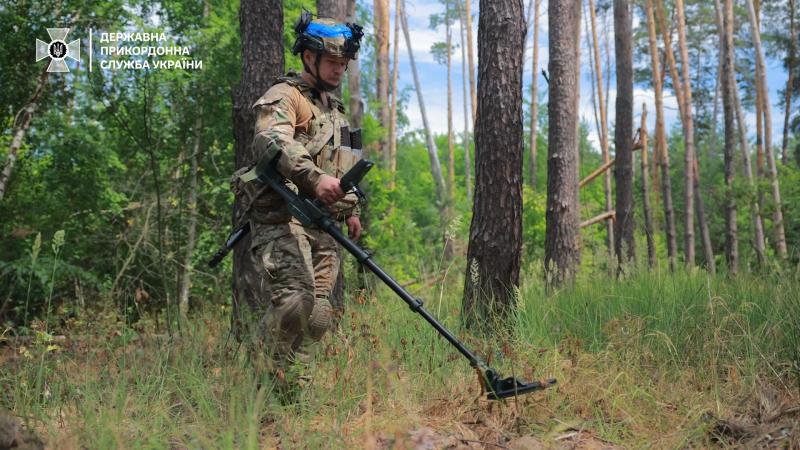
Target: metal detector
{"x": 312, "y": 212}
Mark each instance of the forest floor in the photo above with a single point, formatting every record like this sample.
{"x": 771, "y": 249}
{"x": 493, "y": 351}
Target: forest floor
{"x": 384, "y": 380}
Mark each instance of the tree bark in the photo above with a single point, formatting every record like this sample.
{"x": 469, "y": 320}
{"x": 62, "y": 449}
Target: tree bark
{"x": 648, "y": 215}
{"x": 660, "y": 154}
{"x": 191, "y": 232}
{"x": 705, "y": 233}
{"x": 381, "y": 18}
{"x": 683, "y": 91}
{"x": 759, "y": 241}
{"x": 495, "y": 237}
{"x": 623, "y": 137}
{"x": 393, "y": 112}
{"x": 471, "y": 60}
{"x": 21, "y": 125}
{"x": 603, "y": 130}
{"x": 532, "y": 163}
{"x": 464, "y": 82}
{"x": 433, "y": 155}
{"x": 451, "y": 158}
{"x": 688, "y": 126}
{"x": 333, "y": 9}
{"x": 451, "y": 151}
{"x": 354, "y": 79}
{"x": 731, "y": 231}
{"x": 787, "y": 100}
{"x": 261, "y": 25}
{"x": 761, "y": 85}
{"x": 562, "y": 235}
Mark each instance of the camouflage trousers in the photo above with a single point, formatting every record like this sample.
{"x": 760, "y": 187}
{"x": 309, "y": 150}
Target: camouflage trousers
{"x": 298, "y": 268}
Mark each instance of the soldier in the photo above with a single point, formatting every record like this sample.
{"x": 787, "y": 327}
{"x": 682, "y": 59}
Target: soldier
{"x": 299, "y": 122}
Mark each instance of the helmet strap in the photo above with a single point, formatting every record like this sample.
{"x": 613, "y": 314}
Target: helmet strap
{"x": 319, "y": 83}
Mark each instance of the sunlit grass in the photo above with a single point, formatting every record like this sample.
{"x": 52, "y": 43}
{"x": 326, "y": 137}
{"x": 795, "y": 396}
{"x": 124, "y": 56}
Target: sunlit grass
{"x": 638, "y": 361}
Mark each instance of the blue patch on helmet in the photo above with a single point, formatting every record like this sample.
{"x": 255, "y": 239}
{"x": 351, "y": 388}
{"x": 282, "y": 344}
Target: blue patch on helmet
{"x": 328, "y": 31}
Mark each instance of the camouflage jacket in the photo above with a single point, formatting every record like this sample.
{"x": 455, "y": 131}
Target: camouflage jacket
{"x": 292, "y": 121}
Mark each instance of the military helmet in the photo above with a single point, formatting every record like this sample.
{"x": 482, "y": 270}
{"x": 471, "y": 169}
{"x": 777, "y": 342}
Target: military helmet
{"x": 328, "y": 36}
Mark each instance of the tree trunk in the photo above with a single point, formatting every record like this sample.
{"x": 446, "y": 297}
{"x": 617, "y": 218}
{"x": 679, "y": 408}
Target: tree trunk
{"x": 532, "y": 163}
{"x": 21, "y": 125}
{"x": 603, "y": 131}
{"x": 433, "y": 155}
{"x": 761, "y": 85}
{"x": 688, "y": 126}
{"x": 451, "y": 159}
{"x": 562, "y": 236}
{"x": 759, "y": 240}
{"x": 495, "y": 236}
{"x": 648, "y": 215}
{"x": 381, "y": 18}
{"x": 191, "y": 233}
{"x": 759, "y": 244}
{"x": 261, "y": 25}
{"x": 623, "y": 136}
{"x": 354, "y": 79}
{"x": 731, "y": 232}
{"x": 683, "y": 91}
{"x": 471, "y": 60}
{"x": 705, "y": 233}
{"x": 393, "y": 113}
{"x": 467, "y": 140}
{"x": 787, "y": 100}
{"x": 660, "y": 154}
{"x": 334, "y": 9}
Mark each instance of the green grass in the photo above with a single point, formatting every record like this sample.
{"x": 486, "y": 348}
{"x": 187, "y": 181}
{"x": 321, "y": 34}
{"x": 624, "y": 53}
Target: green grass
{"x": 639, "y": 363}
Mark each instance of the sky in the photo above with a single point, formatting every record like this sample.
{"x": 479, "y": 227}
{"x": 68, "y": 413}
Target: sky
{"x": 434, "y": 78}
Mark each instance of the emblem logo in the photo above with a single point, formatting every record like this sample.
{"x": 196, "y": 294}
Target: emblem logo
{"x": 58, "y": 50}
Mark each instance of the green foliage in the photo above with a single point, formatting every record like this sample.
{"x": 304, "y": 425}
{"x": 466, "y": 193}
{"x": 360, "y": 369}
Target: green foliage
{"x": 533, "y": 223}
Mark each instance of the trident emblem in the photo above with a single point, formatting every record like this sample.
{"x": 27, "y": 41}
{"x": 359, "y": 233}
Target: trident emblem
{"x": 58, "y": 50}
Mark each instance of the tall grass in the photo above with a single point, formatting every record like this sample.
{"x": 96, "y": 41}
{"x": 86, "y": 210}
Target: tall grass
{"x": 638, "y": 361}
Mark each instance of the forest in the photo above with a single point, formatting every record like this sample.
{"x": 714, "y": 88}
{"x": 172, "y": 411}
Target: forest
{"x": 601, "y": 192}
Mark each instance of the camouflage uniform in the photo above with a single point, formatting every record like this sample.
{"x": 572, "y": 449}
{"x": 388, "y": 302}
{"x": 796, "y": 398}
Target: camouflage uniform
{"x": 300, "y": 264}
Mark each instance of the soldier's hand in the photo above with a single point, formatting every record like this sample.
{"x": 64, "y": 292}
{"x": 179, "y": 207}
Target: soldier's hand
{"x": 354, "y": 227}
{"x": 329, "y": 190}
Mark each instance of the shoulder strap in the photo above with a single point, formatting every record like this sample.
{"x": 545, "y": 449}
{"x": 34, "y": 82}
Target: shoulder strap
{"x": 328, "y": 130}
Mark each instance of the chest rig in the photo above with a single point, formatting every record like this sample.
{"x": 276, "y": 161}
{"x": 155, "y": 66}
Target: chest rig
{"x": 332, "y": 146}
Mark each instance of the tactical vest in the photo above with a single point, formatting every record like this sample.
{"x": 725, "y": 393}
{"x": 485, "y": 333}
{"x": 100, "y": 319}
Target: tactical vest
{"x": 330, "y": 144}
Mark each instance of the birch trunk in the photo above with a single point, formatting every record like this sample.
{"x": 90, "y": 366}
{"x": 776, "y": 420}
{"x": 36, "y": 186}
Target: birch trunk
{"x": 24, "y": 117}
{"x": 191, "y": 233}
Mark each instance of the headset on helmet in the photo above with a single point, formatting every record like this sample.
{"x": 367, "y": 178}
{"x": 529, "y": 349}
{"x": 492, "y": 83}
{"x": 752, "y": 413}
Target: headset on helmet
{"x": 326, "y": 36}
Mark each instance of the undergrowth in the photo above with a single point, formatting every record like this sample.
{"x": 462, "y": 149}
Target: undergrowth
{"x": 640, "y": 362}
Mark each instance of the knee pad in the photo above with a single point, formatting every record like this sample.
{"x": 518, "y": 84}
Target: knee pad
{"x": 321, "y": 318}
